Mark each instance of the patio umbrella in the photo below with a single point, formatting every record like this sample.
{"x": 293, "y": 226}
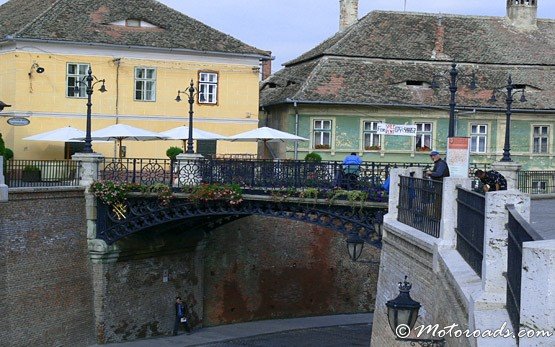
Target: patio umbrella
{"x": 182, "y": 133}
{"x": 120, "y": 132}
{"x": 65, "y": 134}
{"x": 266, "y": 135}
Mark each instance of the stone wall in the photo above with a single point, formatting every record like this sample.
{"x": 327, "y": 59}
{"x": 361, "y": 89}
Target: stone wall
{"x": 45, "y": 279}
{"x": 264, "y": 268}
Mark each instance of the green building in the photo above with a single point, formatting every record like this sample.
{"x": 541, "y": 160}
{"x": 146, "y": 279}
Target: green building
{"x": 380, "y": 69}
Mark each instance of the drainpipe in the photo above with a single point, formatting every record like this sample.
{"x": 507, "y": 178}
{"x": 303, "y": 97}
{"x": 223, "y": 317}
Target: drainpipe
{"x": 296, "y": 144}
{"x": 117, "y": 61}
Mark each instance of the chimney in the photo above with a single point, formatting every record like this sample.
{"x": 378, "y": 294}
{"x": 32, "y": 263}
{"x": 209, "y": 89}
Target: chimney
{"x": 523, "y": 14}
{"x": 348, "y": 13}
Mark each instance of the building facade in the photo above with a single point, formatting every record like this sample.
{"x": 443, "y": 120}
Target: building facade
{"x": 380, "y": 69}
{"x": 144, "y": 50}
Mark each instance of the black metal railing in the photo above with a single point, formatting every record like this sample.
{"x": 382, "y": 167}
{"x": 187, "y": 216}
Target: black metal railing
{"x": 519, "y": 231}
{"x": 536, "y": 182}
{"x": 137, "y": 170}
{"x": 420, "y": 204}
{"x": 470, "y": 227}
{"x": 252, "y": 174}
{"x": 41, "y": 173}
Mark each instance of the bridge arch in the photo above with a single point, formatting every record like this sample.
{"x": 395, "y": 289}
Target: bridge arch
{"x": 144, "y": 213}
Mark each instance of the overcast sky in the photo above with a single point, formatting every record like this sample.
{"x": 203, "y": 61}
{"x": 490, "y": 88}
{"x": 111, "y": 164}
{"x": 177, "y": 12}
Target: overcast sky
{"x": 289, "y": 28}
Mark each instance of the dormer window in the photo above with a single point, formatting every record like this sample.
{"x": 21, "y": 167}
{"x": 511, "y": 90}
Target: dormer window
{"x": 133, "y": 23}
{"x": 414, "y": 83}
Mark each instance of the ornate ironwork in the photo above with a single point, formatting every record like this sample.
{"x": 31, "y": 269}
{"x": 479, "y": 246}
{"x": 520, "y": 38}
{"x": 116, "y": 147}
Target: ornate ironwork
{"x": 145, "y": 213}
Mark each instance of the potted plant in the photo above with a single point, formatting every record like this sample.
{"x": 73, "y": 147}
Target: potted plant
{"x": 372, "y": 148}
{"x": 31, "y": 173}
{"x": 313, "y": 157}
{"x": 173, "y": 152}
{"x": 322, "y": 147}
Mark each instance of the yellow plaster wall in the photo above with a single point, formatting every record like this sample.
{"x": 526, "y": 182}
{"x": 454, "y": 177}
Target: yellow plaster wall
{"x": 45, "y": 93}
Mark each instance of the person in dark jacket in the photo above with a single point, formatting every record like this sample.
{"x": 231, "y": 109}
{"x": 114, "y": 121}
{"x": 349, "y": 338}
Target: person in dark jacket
{"x": 440, "y": 170}
{"x": 181, "y": 316}
{"x": 492, "y": 180}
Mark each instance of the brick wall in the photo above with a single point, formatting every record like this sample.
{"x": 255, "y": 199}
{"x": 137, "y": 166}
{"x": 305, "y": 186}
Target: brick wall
{"x": 401, "y": 256}
{"x": 45, "y": 285}
{"x": 265, "y": 268}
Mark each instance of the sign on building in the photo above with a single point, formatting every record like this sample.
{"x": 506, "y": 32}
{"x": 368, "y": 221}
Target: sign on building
{"x": 458, "y": 156}
{"x": 394, "y": 129}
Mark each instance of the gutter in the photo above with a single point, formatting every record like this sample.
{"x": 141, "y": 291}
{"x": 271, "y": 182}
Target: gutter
{"x": 134, "y": 47}
{"x": 418, "y": 106}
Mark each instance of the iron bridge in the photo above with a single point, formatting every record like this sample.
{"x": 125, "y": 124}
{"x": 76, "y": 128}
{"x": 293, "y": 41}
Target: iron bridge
{"x": 146, "y": 214}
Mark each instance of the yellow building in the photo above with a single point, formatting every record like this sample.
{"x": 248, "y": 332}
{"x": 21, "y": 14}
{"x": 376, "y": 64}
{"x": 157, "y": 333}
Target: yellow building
{"x": 144, "y": 50}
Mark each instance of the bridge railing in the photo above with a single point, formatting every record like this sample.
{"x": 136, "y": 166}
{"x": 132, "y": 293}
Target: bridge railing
{"x": 420, "y": 204}
{"x": 137, "y": 170}
{"x": 41, "y": 173}
{"x": 470, "y": 227}
{"x": 536, "y": 182}
{"x": 519, "y": 231}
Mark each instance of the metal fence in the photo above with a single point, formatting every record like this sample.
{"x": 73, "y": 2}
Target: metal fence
{"x": 137, "y": 170}
{"x": 470, "y": 227}
{"x": 519, "y": 231}
{"x": 41, "y": 173}
{"x": 420, "y": 204}
{"x": 536, "y": 182}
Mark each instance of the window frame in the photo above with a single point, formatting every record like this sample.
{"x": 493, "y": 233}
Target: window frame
{"x": 421, "y": 133}
{"x": 208, "y": 84}
{"x": 321, "y": 130}
{"x": 144, "y": 81}
{"x": 78, "y": 77}
{"x": 372, "y": 131}
{"x": 479, "y": 135}
{"x": 547, "y": 138}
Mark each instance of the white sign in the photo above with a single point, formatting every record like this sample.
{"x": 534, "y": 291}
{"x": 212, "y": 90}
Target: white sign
{"x": 394, "y": 129}
{"x": 458, "y": 156}
{"x": 18, "y": 121}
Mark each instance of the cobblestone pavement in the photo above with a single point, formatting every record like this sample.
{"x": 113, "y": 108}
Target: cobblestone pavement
{"x": 344, "y": 335}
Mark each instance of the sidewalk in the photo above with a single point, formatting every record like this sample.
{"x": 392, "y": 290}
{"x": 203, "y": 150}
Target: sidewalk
{"x": 233, "y": 331}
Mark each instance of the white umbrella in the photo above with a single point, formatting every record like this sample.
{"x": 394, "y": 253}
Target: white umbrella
{"x": 65, "y": 134}
{"x": 119, "y": 132}
{"x": 182, "y": 133}
{"x": 266, "y": 134}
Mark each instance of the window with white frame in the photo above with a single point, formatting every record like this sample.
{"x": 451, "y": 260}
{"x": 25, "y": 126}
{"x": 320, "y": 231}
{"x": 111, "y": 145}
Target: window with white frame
{"x": 372, "y": 140}
{"x": 322, "y": 134}
{"x": 539, "y": 187}
{"x": 423, "y": 136}
{"x": 208, "y": 88}
{"x": 145, "y": 84}
{"x": 478, "y": 138}
{"x": 76, "y": 73}
{"x": 541, "y": 139}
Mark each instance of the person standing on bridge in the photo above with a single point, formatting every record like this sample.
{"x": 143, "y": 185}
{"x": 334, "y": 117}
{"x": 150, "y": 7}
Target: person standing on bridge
{"x": 181, "y": 316}
{"x": 440, "y": 170}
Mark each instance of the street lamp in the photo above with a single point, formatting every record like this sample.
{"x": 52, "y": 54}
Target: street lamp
{"x": 453, "y": 82}
{"x": 402, "y": 313}
{"x": 2, "y": 105}
{"x": 512, "y": 90}
{"x": 90, "y": 85}
{"x": 191, "y": 92}
{"x": 355, "y": 244}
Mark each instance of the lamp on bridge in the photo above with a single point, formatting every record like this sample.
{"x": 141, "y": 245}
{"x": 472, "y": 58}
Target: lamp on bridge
{"x": 402, "y": 313}
{"x": 355, "y": 244}
{"x": 3, "y": 105}
{"x": 88, "y": 83}
{"x": 512, "y": 90}
{"x": 191, "y": 92}
{"x": 455, "y": 77}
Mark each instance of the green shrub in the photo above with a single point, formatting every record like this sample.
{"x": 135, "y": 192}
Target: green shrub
{"x": 2, "y": 145}
{"x": 29, "y": 168}
{"x": 173, "y": 152}
{"x": 313, "y": 157}
{"x": 8, "y": 154}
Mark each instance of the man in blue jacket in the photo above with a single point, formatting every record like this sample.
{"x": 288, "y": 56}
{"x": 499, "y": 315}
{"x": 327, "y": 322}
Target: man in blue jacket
{"x": 440, "y": 170}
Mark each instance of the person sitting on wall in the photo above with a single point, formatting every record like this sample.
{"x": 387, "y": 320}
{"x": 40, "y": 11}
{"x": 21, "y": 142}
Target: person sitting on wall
{"x": 492, "y": 180}
{"x": 351, "y": 168}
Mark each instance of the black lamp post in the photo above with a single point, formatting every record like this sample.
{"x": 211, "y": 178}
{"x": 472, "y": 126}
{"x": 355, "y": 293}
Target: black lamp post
{"x": 455, "y": 76}
{"x": 402, "y": 313}
{"x": 512, "y": 90}
{"x": 2, "y": 105}
{"x": 90, "y": 85}
{"x": 191, "y": 92}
